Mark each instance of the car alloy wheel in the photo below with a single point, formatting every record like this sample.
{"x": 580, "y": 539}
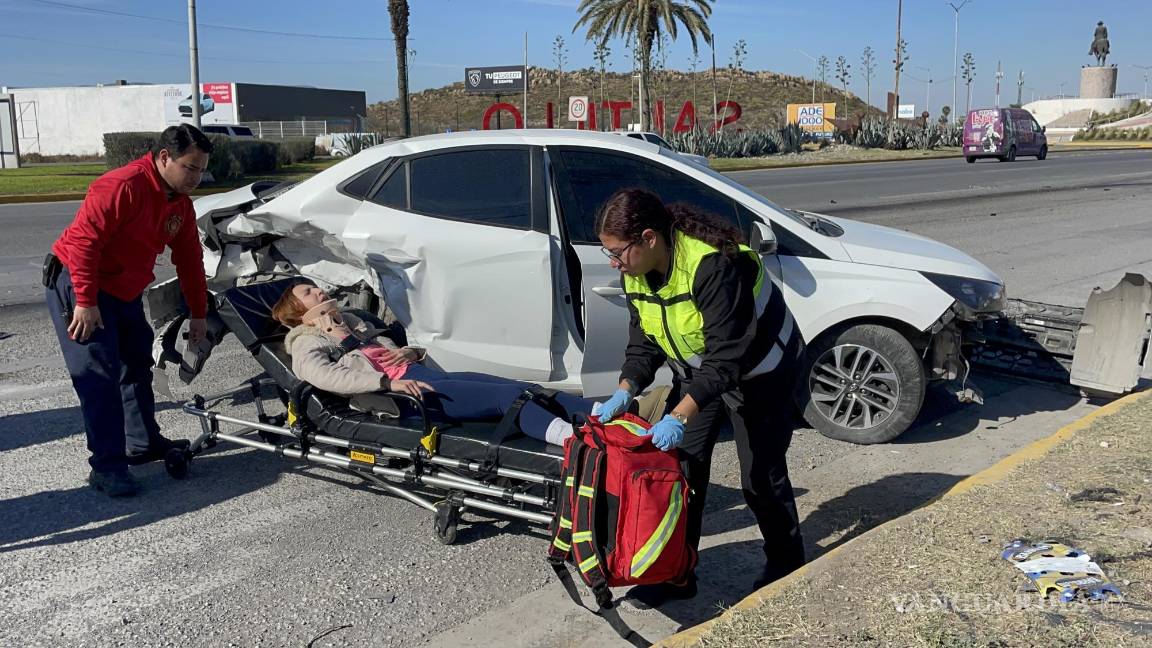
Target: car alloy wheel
{"x": 854, "y": 386}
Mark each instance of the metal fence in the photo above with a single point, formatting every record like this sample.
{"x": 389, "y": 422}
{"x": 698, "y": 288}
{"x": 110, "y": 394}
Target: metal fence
{"x": 282, "y": 129}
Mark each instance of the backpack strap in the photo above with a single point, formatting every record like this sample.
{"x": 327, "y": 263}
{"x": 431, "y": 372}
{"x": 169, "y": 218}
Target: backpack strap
{"x": 574, "y": 537}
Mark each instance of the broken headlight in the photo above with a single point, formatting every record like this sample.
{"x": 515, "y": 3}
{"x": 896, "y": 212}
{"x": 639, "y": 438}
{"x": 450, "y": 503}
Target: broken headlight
{"x": 976, "y": 295}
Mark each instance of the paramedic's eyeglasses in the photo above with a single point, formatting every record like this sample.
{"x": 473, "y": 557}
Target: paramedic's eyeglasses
{"x": 617, "y": 256}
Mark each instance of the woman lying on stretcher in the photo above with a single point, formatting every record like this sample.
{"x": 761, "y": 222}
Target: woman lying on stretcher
{"x": 377, "y": 364}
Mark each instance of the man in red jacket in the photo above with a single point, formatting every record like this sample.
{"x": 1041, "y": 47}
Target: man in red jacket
{"x": 95, "y": 279}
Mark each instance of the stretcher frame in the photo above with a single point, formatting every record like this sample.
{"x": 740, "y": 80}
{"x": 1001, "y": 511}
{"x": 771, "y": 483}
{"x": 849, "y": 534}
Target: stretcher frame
{"x": 464, "y": 483}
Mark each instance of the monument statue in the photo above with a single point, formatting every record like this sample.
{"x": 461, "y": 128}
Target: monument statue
{"x": 1100, "y": 44}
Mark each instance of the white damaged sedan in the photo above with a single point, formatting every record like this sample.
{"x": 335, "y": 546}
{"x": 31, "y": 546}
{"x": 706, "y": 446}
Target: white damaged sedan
{"x": 481, "y": 244}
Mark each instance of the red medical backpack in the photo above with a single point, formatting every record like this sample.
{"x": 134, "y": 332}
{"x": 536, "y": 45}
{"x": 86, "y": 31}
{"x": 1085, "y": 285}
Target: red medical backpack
{"x": 622, "y": 514}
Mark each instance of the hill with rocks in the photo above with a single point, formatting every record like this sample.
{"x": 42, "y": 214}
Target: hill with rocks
{"x": 763, "y": 97}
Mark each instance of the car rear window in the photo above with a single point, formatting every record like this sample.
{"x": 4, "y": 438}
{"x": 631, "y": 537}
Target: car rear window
{"x": 219, "y": 130}
{"x": 243, "y": 130}
{"x": 490, "y": 186}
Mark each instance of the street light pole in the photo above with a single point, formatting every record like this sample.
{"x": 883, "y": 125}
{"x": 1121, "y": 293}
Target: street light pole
{"x": 194, "y": 62}
{"x": 815, "y": 64}
{"x": 999, "y": 75}
{"x": 1145, "y": 68}
{"x": 956, "y": 50}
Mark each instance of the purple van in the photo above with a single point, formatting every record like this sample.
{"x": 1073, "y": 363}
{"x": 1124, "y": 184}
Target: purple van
{"x": 1003, "y": 133}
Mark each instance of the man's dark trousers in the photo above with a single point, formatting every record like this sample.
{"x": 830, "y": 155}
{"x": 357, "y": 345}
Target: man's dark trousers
{"x": 112, "y": 374}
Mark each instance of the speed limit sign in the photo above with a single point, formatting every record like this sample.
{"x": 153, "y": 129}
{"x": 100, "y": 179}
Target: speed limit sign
{"x": 577, "y": 109}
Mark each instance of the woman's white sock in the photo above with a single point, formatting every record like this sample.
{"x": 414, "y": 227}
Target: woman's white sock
{"x": 557, "y": 431}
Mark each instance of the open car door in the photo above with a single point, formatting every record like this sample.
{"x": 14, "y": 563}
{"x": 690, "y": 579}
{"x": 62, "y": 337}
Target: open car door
{"x": 584, "y": 178}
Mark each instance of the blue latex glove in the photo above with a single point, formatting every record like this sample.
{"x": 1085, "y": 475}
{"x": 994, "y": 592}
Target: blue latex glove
{"x": 667, "y": 433}
{"x": 612, "y": 407}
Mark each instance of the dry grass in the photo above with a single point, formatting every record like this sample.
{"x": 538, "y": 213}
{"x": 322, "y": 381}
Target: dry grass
{"x": 935, "y": 578}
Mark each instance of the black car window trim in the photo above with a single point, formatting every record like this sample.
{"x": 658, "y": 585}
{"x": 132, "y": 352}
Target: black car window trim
{"x": 378, "y": 169}
{"x": 534, "y": 171}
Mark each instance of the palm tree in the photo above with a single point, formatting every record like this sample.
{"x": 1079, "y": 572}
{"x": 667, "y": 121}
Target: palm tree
{"x": 398, "y": 10}
{"x": 645, "y": 20}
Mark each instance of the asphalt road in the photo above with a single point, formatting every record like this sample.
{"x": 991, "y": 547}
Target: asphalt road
{"x": 961, "y": 204}
{"x": 252, "y": 550}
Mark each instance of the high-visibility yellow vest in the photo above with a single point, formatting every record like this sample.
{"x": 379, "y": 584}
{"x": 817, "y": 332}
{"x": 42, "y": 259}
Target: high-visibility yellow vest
{"x": 669, "y": 316}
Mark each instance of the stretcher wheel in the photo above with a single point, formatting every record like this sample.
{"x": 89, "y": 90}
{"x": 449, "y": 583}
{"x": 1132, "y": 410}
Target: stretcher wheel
{"x": 176, "y": 462}
{"x": 446, "y": 520}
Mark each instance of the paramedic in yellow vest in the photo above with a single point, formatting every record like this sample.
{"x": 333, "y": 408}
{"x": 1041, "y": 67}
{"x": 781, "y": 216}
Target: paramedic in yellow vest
{"x": 700, "y": 300}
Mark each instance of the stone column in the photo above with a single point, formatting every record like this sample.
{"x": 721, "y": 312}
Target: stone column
{"x": 1097, "y": 82}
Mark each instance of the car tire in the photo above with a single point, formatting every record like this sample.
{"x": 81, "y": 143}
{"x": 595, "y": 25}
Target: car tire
{"x": 846, "y": 406}
{"x": 969, "y": 159}
{"x": 1043, "y": 152}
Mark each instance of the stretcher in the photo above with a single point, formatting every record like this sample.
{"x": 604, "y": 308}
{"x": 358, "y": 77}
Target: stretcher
{"x": 444, "y": 468}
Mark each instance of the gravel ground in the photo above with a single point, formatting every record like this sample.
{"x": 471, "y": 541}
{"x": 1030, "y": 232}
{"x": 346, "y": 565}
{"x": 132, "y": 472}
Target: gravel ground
{"x": 935, "y": 578}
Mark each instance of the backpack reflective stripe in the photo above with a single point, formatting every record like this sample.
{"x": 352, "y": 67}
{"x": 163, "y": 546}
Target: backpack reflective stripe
{"x": 651, "y": 549}
{"x": 588, "y": 565}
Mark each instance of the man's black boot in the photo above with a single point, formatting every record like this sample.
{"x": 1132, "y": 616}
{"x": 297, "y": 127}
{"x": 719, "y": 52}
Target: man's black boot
{"x": 114, "y": 483}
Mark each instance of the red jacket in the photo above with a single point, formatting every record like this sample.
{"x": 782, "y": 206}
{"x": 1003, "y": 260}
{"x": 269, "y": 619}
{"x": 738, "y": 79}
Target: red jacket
{"x": 126, "y": 220}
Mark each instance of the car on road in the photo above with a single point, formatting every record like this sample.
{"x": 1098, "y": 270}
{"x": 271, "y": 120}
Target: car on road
{"x": 482, "y": 245}
{"x": 1004, "y": 134}
{"x": 233, "y": 131}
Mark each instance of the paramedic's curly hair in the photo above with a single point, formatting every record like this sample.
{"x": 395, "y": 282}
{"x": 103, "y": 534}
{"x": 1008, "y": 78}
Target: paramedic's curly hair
{"x": 631, "y": 211}
{"x": 289, "y": 309}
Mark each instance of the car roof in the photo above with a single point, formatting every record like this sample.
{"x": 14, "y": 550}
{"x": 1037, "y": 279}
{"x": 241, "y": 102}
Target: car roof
{"x": 507, "y": 137}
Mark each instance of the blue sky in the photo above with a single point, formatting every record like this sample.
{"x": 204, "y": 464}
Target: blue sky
{"x": 43, "y": 43}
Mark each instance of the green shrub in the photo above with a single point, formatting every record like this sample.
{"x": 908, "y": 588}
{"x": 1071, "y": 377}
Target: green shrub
{"x": 296, "y": 149}
{"x": 231, "y": 159}
{"x": 122, "y": 148}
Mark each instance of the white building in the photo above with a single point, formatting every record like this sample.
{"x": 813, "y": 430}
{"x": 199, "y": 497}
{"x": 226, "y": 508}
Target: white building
{"x": 73, "y": 120}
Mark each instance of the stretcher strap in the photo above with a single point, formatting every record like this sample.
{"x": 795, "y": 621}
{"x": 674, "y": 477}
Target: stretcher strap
{"x": 508, "y": 428}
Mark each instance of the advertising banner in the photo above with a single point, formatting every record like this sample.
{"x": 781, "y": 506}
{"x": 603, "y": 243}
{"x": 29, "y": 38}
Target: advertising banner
{"x": 505, "y": 79}
{"x": 906, "y": 111}
{"x": 814, "y": 118}
{"x": 217, "y": 103}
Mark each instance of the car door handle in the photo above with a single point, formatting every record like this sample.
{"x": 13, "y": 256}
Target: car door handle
{"x": 608, "y": 291}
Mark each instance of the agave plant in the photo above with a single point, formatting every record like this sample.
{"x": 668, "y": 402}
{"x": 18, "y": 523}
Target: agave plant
{"x": 352, "y": 143}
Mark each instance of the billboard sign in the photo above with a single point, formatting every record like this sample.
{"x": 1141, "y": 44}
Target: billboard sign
{"x": 906, "y": 111}
{"x": 813, "y": 118}
{"x": 578, "y": 109}
{"x": 504, "y": 79}
{"x": 217, "y": 103}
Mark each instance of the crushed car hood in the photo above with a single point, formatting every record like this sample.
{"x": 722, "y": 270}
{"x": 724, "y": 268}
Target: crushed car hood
{"x": 884, "y": 246}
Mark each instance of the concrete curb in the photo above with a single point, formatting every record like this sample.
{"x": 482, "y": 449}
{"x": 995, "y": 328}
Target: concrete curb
{"x": 989, "y": 475}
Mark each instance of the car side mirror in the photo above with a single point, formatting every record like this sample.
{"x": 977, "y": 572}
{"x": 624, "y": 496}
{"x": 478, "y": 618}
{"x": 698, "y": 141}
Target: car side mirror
{"x": 763, "y": 239}
{"x": 1043, "y": 129}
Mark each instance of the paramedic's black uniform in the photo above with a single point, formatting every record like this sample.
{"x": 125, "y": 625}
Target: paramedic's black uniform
{"x": 760, "y": 408}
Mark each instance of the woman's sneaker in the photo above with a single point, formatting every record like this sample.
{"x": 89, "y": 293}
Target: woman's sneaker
{"x": 646, "y": 597}
{"x": 114, "y": 483}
